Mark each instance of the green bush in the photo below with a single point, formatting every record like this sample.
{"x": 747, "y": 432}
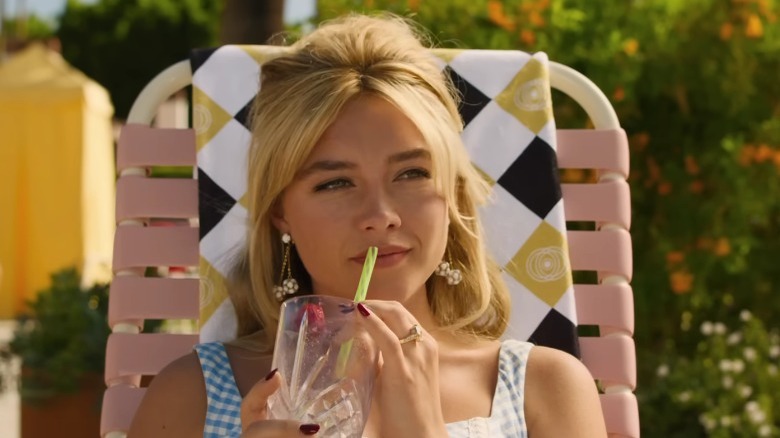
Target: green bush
{"x": 63, "y": 339}
{"x": 694, "y": 84}
{"x": 729, "y": 383}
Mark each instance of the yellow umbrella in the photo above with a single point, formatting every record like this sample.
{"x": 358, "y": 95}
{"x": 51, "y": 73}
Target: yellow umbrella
{"x": 56, "y": 175}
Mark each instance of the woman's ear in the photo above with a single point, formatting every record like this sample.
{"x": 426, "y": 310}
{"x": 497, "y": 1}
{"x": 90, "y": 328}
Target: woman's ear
{"x": 277, "y": 218}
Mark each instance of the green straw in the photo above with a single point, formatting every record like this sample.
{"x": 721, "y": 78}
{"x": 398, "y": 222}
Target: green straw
{"x": 365, "y": 277}
{"x": 360, "y": 295}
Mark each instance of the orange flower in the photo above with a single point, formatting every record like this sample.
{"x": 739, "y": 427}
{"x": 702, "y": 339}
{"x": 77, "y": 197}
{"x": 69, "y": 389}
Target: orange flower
{"x": 413, "y": 4}
{"x": 681, "y": 281}
{"x": 664, "y": 188}
{"x": 696, "y": 187}
{"x": 528, "y": 37}
{"x": 776, "y": 159}
{"x": 704, "y": 243}
{"x": 619, "y": 94}
{"x": 640, "y": 140}
{"x": 653, "y": 169}
{"x": 691, "y": 166}
{"x": 746, "y": 154}
{"x": 536, "y": 19}
{"x": 673, "y": 257}
{"x": 763, "y": 153}
{"x": 726, "y": 31}
{"x": 754, "y": 28}
{"x": 722, "y": 247}
{"x": 498, "y": 17}
{"x": 630, "y": 46}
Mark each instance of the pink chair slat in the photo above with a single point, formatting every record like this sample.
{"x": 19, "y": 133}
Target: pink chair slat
{"x": 133, "y": 299}
{"x": 621, "y": 414}
{"x": 612, "y": 359}
{"x": 608, "y": 252}
{"x": 138, "y": 197}
{"x": 129, "y": 356}
{"x": 143, "y": 146}
{"x": 609, "y": 306}
{"x": 119, "y": 405}
{"x": 608, "y": 201}
{"x": 601, "y": 149}
{"x": 136, "y": 246}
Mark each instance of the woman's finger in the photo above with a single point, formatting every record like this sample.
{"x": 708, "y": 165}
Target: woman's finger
{"x": 253, "y": 406}
{"x": 388, "y": 323}
{"x": 394, "y": 315}
{"x": 384, "y": 337}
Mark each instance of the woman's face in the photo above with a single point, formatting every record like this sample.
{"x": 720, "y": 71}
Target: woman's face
{"x": 367, "y": 183}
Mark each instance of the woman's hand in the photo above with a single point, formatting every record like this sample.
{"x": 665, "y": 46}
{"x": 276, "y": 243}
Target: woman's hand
{"x": 254, "y": 413}
{"x": 408, "y": 382}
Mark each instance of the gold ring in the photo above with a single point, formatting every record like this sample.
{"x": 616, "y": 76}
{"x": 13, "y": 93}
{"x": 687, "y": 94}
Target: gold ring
{"x": 415, "y": 334}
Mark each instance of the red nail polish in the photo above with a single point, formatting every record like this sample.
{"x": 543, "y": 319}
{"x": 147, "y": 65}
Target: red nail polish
{"x": 271, "y": 374}
{"x": 309, "y": 429}
{"x": 363, "y": 310}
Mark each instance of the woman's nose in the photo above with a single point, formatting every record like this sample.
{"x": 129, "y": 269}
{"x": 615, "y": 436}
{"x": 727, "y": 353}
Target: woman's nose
{"x": 378, "y": 212}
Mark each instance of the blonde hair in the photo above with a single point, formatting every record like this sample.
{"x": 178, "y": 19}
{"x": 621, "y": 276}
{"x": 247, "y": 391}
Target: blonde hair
{"x": 302, "y": 92}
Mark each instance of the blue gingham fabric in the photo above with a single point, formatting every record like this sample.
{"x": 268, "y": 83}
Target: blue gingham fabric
{"x": 507, "y": 415}
{"x": 223, "y": 414}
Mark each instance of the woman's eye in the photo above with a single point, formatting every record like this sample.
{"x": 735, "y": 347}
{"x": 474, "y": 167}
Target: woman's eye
{"x": 414, "y": 174}
{"x": 333, "y": 185}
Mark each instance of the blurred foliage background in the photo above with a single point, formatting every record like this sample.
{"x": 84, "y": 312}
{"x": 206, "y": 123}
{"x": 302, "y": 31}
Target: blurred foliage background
{"x": 695, "y": 85}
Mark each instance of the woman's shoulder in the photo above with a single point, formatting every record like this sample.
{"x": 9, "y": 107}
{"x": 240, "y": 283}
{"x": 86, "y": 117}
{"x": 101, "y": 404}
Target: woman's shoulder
{"x": 559, "y": 386}
{"x": 174, "y": 403}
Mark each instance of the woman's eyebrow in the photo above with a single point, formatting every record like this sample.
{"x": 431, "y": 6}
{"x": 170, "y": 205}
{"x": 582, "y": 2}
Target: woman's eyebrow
{"x": 324, "y": 166}
{"x": 409, "y": 155}
{"x": 331, "y": 165}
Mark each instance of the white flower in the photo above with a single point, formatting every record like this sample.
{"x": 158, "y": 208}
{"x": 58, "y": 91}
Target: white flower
{"x": 745, "y": 391}
{"x": 684, "y": 396}
{"x": 719, "y": 328}
{"x": 757, "y": 417}
{"x": 745, "y": 315}
{"x": 771, "y": 369}
{"x": 774, "y": 351}
{"x": 725, "y": 365}
{"x": 707, "y": 422}
{"x": 727, "y": 382}
{"x": 765, "y": 430}
{"x": 725, "y": 421}
{"x": 734, "y": 338}
{"x": 706, "y": 328}
{"x": 752, "y": 406}
{"x": 663, "y": 370}
{"x": 737, "y": 366}
{"x": 749, "y": 353}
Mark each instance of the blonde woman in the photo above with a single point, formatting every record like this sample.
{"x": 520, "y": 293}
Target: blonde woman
{"x": 357, "y": 144}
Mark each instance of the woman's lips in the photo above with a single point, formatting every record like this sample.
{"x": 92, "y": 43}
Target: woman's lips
{"x": 385, "y": 260}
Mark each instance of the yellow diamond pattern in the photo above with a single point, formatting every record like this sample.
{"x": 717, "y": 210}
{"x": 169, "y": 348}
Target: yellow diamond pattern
{"x": 208, "y": 118}
{"x": 484, "y": 175}
{"x": 527, "y": 97}
{"x": 212, "y": 290}
{"x": 542, "y": 264}
{"x": 447, "y": 55}
{"x": 263, "y": 54}
{"x": 244, "y": 202}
